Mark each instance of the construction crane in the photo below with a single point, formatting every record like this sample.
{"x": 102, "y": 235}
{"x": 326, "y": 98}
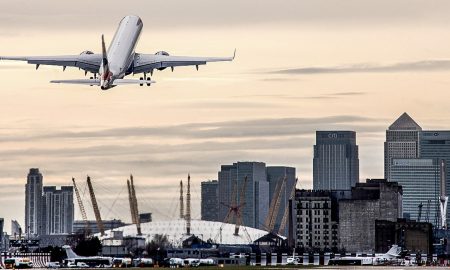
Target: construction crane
{"x": 420, "y": 212}
{"x": 82, "y": 210}
{"x": 98, "y": 217}
{"x": 274, "y": 208}
{"x": 286, "y": 210}
{"x": 234, "y": 211}
{"x": 135, "y": 207}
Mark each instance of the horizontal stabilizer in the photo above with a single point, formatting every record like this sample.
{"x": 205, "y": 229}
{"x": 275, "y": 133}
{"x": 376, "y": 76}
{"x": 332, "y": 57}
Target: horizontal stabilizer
{"x": 131, "y": 81}
{"x": 81, "y": 81}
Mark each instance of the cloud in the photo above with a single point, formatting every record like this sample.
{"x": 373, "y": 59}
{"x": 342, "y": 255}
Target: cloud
{"x": 418, "y": 66}
{"x": 261, "y": 128}
{"x": 205, "y": 13}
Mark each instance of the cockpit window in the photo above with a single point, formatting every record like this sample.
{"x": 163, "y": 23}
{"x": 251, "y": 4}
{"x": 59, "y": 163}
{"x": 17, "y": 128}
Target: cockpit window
{"x": 139, "y": 22}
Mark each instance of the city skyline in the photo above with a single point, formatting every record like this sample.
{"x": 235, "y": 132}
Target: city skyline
{"x": 300, "y": 69}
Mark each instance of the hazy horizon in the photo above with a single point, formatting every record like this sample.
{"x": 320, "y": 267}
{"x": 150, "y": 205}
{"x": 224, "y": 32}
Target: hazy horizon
{"x": 301, "y": 66}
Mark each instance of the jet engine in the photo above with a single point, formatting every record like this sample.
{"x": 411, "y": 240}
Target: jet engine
{"x": 162, "y": 53}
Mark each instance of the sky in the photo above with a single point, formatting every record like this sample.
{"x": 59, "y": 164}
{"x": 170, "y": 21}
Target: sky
{"x": 301, "y": 66}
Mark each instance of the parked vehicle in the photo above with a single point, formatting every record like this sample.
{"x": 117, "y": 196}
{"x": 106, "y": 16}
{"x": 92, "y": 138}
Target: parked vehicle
{"x": 52, "y": 265}
{"x": 18, "y": 263}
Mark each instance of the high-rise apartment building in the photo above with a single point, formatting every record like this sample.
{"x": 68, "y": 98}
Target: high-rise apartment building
{"x": 275, "y": 176}
{"x": 336, "y": 163}
{"x": 255, "y": 204}
{"x": 33, "y": 202}
{"x": 402, "y": 142}
{"x": 209, "y": 200}
{"x": 58, "y": 210}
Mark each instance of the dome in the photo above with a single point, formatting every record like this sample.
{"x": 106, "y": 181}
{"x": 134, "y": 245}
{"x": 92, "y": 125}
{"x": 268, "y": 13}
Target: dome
{"x": 175, "y": 230}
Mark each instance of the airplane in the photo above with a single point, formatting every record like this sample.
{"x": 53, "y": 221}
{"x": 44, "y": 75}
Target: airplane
{"x": 119, "y": 60}
{"x": 92, "y": 261}
{"x": 378, "y": 259}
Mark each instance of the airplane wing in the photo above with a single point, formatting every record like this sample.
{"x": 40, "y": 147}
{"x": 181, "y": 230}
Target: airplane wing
{"x": 148, "y": 62}
{"x": 87, "y": 61}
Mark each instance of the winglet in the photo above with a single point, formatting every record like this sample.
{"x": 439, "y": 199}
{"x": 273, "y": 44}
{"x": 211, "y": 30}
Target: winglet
{"x": 234, "y": 54}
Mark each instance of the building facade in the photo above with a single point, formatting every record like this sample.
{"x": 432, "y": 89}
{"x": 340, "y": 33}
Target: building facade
{"x": 420, "y": 180}
{"x": 275, "y": 176}
{"x": 416, "y": 237}
{"x": 376, "y": 199}
{"x": 210, "y": 200}
{"x": 33, "y": 202}
{"x": 435, "y": 144}
{"x": 58, "y": 210}
{"x": 316, "y": 229}
{"x": 402, "y": 142}
{"x": 255, "y": 204}
{"x": 336, "y": 162}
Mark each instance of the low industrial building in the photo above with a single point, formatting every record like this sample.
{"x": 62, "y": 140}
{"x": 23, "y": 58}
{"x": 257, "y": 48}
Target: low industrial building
{"x": 376, "y": 199}
{"x": 416, "y": 237}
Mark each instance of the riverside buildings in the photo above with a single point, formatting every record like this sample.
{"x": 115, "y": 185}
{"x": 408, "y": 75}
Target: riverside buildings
{"x": 255, "y": 206}
{"x": 258, "y": 192}
{"x": 33, "y": 202}
{"x": 336, "y": 163}
{"x": 58, "y": 211}
{"x": 48, "y": 210}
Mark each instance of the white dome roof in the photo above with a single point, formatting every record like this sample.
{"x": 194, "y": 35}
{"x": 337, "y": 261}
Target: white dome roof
{"x": 175, "y": 230}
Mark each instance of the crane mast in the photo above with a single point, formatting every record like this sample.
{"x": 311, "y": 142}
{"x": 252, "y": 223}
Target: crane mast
{"x": 275, "y": 205}
{"x": 98, "y": 217}
{"x": 286, "y": 210}
{"x": 130, "y": 201}
{"x": 135, "y": 206}
{"x": 82, "y": 210}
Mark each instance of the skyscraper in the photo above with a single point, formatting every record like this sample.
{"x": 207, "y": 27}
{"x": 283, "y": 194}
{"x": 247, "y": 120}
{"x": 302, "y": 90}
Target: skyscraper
{"x": 419, "y": 179}
{"x": 210, "y": 200}
{"x": 33, "y": 202}
{"x": 256, "y": 197}
{"x": 435, "y": 144}
{"x": 275, "y": 174}
{"x": 402, "y": 141}
{"x": 58, "y": 210}
{"x": 336, "y": 163}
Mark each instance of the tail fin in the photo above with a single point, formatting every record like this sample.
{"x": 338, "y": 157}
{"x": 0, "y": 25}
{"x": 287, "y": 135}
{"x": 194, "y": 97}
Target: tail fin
{"x": 70, "y": 253}
{"x": 105, "y": 56}
{"x": 394, "y": 251}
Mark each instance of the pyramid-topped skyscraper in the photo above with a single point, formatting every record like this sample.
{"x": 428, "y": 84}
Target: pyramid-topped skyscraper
{"x": 402, "y": 141}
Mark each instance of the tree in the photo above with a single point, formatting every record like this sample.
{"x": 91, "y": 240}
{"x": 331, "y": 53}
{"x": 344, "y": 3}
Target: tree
{"x": 88, "y": 247}
{"x": 158, "y": 246}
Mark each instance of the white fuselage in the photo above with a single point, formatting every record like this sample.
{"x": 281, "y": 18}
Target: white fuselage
{"x": 121, "y": 50}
